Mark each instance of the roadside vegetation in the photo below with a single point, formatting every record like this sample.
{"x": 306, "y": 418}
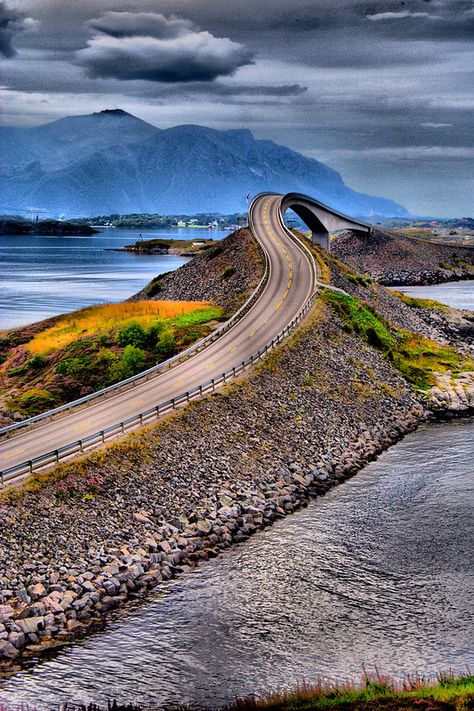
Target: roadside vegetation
{"x": 418, "y": 303}
{"x": 415, "y": 356}
{"x": 90, "y": 349}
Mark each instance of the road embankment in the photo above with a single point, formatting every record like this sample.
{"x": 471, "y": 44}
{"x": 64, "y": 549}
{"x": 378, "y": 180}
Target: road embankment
{"x": 87, "y": 537}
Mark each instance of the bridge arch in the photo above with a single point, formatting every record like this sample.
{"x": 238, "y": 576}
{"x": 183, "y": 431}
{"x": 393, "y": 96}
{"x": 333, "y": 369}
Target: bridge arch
{"x": 320, "y": 218}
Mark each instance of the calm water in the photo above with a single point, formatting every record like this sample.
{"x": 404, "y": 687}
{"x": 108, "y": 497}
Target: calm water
{"x": 459, "y": 294}
{"x": 46, "y": 276}
{"x": 378, "y": 571}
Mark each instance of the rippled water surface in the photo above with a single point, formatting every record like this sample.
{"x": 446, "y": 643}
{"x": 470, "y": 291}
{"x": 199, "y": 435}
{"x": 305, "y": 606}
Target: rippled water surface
{"x": 459, "y": 294}
{"x": 378, "y": 571}
{"x": 46, "y": 276}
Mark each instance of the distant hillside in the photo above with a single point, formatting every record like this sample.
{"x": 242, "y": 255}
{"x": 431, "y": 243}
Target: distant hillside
{"x": 45, "y": 227}
{"x": 113, "y": 162}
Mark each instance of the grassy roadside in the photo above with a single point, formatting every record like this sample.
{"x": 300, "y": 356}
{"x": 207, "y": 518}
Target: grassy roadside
{"x": 415, "y": 356}
{"x": 89, "y": 349}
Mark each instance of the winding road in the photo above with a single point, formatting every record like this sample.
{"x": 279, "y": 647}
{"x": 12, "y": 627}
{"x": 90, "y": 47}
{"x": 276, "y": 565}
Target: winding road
{"x": 291, "y": 281}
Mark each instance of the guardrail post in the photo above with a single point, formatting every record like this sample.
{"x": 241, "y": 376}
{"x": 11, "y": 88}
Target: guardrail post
{"x": 223, "y": 377}
{"x": 141, "y": 418}
{"x": 57, "y": 455}
{"x": 213, "y": 384}
{"x": 233, "y": 372}
{"x": 30, "y": 464}
{"x": 81, "y": 447}
{"x": 200, "y": 390}
{"x": 187, "y": 395}
{"x": 173, "y": 404}
{"x": 122, "y": 427}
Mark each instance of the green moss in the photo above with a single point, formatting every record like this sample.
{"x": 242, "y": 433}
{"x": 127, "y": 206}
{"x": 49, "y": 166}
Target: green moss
{"x": 415, "y": 356}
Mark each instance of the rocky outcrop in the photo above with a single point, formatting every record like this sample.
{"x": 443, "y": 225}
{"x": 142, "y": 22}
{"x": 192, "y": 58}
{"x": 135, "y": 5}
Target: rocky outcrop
{"x": 396, "y": 259}
{"x": 225, "y": 274}
{"x": 452, "y": 395}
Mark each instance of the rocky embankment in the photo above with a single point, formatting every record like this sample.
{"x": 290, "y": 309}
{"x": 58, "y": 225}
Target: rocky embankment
{"x": 395, "y": 259}
{"x": 225, "y": 274}
{"x": 92, "y": 534}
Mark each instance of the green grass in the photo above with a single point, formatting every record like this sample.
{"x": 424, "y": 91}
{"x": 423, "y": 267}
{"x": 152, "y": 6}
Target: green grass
{"x": 445, "y": 692}
{"x": 418, "y": 303}
{"x": 416, "y": 357}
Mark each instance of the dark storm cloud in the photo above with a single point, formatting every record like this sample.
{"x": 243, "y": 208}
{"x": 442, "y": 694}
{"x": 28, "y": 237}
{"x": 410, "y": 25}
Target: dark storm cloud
{"x": 366, "y": 85}
{"x": 151, "y": 47}
{"x": 12, "y": 23}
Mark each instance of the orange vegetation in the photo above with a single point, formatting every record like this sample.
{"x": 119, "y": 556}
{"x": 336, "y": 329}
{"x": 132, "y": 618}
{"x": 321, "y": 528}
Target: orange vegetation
{"x": 109, "y": 317}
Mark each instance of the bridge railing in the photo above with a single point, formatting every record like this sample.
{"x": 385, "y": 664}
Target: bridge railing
{"x": 145, "y": 375}
{"x": 20, "y": 471}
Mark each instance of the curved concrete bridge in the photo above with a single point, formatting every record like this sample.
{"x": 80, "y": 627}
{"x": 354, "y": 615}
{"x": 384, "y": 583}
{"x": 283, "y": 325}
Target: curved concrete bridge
{"x": 280, "y": 302}
{"x": 320, "y": 218}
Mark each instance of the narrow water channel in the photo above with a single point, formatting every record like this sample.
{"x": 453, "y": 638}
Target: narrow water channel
{"x": 379, "y": 571}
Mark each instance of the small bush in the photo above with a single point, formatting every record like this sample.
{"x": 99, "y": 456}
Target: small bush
{"x": 214, "y": 252}
{"x": 360, "y": 279}
{"x": 227, "y": 273}
{"x": 32, "y": 401}
{"x": 35, "y": 363}
{"x": 132, "y": 335}
{"x": 154, "y": 288}
{"x": 166, "y": 344}
{"x": 78, "y": 368}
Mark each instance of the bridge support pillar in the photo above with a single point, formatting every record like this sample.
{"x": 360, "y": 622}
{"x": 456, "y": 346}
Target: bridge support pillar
{"x": 321, "y": 238}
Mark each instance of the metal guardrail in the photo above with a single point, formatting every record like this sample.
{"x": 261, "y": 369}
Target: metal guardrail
{"x": 154, "y": 370}
{"x": 24, "y": 469}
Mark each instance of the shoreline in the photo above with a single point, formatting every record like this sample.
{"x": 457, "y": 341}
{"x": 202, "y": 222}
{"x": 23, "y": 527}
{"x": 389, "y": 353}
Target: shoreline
{"x": 87, "y": 537}
{"x": 52, "y": 616}
{"x": 241, "y": 516}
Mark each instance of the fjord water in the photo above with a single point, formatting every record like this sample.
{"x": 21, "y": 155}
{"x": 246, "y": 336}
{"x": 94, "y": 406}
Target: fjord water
{"x": 379, "y": 571}
{"x": 459, "y": 294}
{"x": 47, "y": 276}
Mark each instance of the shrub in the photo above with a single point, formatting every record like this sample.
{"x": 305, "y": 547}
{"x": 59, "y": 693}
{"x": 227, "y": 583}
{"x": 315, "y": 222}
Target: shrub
{"x": 227, "y": 273}
{"x": 133, "y": 359}
{"x": 32, "y": 401}
{"x": 154, "y": 288}
{"x": 35, "y": 363}
{"x": 214, "y": 252}
{"x": 132, "y": 335}
{"x": 166, "y": 344}
{"x": 78, "y": 368}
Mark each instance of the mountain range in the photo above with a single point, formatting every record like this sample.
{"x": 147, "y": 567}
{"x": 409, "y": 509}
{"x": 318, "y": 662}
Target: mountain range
{"x": 113, "y": 162}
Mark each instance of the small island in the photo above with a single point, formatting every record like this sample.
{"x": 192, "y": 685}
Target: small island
{"x": 180, "y": 247}
{"x": 19, "y": 226}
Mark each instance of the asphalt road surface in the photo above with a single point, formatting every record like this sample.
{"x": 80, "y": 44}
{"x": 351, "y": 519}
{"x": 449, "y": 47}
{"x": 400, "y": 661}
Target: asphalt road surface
{"x": 290, "y": 283}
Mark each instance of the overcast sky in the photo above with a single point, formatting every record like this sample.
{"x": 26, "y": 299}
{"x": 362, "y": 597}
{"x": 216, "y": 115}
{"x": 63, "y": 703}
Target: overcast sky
{"x": 382, "y": 91}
